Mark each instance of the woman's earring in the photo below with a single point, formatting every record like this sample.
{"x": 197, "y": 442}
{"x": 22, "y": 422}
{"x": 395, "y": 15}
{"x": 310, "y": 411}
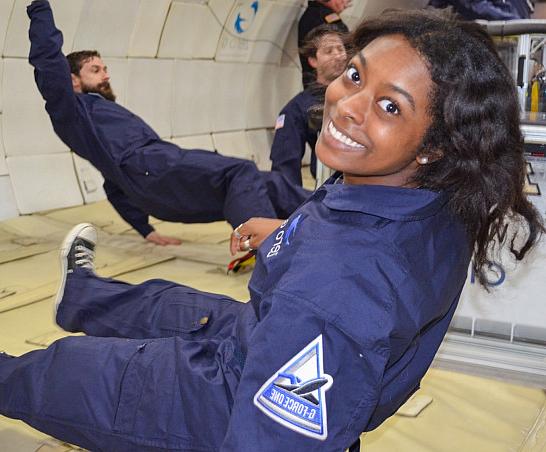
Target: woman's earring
{"x": 423, "y": 160}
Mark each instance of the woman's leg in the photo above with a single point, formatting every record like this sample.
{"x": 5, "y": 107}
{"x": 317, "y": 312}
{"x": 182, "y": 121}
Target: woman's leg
{"x": 156, "y": 308}
{"x": 113, "y": 394}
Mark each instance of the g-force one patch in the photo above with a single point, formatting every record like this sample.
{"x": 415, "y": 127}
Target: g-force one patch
{"x": 295, "y": 395}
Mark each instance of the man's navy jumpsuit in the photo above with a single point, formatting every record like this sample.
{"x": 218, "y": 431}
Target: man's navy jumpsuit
{"x": 292, "y": 132}
{"x": 350, "y": 300}
{"x": 143, "y": 174}
{"x": 315, "y": 15}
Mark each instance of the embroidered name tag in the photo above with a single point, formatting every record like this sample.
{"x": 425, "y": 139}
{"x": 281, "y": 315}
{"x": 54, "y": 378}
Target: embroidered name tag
{"x": 295, "y": 395}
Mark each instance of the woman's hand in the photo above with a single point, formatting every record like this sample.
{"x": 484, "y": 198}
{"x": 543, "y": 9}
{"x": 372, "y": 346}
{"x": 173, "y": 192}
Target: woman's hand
{"x": 250, "y": 234}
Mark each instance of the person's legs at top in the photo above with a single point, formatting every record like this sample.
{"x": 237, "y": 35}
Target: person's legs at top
{"x": 197, "y": 186}
{"x": 285, "y": 195}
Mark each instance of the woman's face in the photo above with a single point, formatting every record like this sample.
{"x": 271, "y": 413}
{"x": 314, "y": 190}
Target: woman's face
{"x": 376, "y": 115}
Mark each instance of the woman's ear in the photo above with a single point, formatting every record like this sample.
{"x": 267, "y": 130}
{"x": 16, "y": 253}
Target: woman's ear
{"x": 429, "y": 156}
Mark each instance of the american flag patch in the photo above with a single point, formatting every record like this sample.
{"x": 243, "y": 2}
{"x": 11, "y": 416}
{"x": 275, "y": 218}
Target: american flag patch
{"x": 279, "y": 124}
{"x": 332, "y": 18}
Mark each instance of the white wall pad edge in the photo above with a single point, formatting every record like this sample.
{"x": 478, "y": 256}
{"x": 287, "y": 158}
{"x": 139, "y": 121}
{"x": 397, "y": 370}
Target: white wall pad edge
{"x": 8, "y": 205}
{"x": 520, "y": 363}
{"x": 67, "y": 16}
{"x": 90, "y": 180}
{"x": 42, "y": 182}
{"x": 6, "y": 7}
{"x": 150, "y": 92}
{"x": 26, "y": 128}
{"x": 100, "y": 21}
{"x": 149, "y": 25}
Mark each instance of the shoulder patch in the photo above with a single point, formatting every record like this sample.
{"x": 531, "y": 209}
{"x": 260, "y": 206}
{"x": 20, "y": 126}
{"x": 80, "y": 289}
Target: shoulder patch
{"x": 295, "y": 395}
{"x": 333, "y": 17}
{"x": 279, "y": 124}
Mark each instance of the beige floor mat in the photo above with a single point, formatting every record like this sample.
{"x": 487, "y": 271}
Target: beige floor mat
{"x": 468, "y": 413}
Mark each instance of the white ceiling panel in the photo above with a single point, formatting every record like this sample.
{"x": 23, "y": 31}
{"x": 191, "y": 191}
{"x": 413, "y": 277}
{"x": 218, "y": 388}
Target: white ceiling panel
{"x": 221, "y": 9}
{"x": 184, "y": 34}
{"x": 150, "y": 91}
{"x": 43, "y": 182}
{"x": 287, "y": 86}
{"x": 3, "y": 166}
{"x": 90, "y": 180}
{"x": 260, "y": 148}
{"x": 290, "y": 54}
{"x": 193, "y": 95}
{"x": 259, "y": 111}
{"x": 240, "y": 31}
{"x": 6, "y": 7}
{"x": 149, "y": 25}
{"x": 27, "y": 129}
{"x": 228, "y": 97}
{"x": 67, "y": 17}
{"x": 107, "y": 26}
{"x": 8, "y": 206}
{"x": 1, "y": 78}
{"x": 272, "y": 32}
{"x": 195, "y": 142}
{"x": 233, "y": 144}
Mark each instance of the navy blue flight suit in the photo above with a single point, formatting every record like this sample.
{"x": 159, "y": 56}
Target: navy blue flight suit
{"x": 143, "y": 174}
{"x": 292, "y": 132}
{"x": 315, "y": 15}
{"x": 350, "y": 300}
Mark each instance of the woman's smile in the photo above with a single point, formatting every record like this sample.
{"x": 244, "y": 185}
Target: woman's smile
{"x": 343, "y": 139}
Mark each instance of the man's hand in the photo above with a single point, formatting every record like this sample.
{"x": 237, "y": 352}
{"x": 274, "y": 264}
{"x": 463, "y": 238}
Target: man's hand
{"x": 252, "y": 233}
{"x": 338, "y": 5}
{"x": 162, "y": 240}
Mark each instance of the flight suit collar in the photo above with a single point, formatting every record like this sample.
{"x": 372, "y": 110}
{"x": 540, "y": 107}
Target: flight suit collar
{"x": 393, "y": 203}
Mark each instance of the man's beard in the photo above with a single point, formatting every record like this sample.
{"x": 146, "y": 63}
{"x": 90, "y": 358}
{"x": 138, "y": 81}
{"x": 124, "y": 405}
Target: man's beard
{"x": 104, "y": 89}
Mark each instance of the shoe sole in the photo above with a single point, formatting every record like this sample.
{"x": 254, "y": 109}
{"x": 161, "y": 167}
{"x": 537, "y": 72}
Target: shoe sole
{"x": 65, "y": 249}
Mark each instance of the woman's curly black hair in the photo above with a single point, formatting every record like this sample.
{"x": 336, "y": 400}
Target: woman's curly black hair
{"x": 475, "y": 127}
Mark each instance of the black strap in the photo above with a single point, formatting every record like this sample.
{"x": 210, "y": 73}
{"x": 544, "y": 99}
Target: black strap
{"x": 355, "y": 446}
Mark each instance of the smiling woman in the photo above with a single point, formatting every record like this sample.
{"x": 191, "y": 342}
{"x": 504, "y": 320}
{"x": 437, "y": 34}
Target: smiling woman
{"x": 351, "y": 296}
{"x": 377, "y": 114}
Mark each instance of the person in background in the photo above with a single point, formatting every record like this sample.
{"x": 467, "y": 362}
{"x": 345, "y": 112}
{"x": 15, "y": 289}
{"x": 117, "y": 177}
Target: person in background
{"x": 488, "y": 9}
{"x": 351, "y": 296}
{"x": 318, "y": 13}
{"x": 295, "y": 127}
{"x": 144, "y": 175}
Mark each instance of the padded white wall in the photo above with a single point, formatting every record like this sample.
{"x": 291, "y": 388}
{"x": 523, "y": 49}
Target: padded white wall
{"x": 208, "y": 74}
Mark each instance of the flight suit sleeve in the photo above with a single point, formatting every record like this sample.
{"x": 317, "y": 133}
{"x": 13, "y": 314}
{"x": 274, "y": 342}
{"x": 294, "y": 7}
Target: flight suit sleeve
{"x": 51, "y": 69}
{"x": 306, "y": 384}
{"x": 130, "y": 213}
{"x": 289, "y": 141}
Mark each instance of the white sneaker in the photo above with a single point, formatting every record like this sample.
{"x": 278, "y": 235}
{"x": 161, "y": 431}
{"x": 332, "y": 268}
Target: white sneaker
{"x": 77, "y": 251}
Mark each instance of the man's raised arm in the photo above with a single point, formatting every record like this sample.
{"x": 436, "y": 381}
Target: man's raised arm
{"x": 51, "y": 69}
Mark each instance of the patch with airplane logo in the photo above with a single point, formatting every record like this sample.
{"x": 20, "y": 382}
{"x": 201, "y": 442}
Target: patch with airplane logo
{"x": 295, "y": 395}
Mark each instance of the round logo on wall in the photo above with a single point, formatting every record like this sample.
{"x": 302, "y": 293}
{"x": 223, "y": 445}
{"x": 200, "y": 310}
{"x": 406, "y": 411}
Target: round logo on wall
{"x": 245, "y": 16}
